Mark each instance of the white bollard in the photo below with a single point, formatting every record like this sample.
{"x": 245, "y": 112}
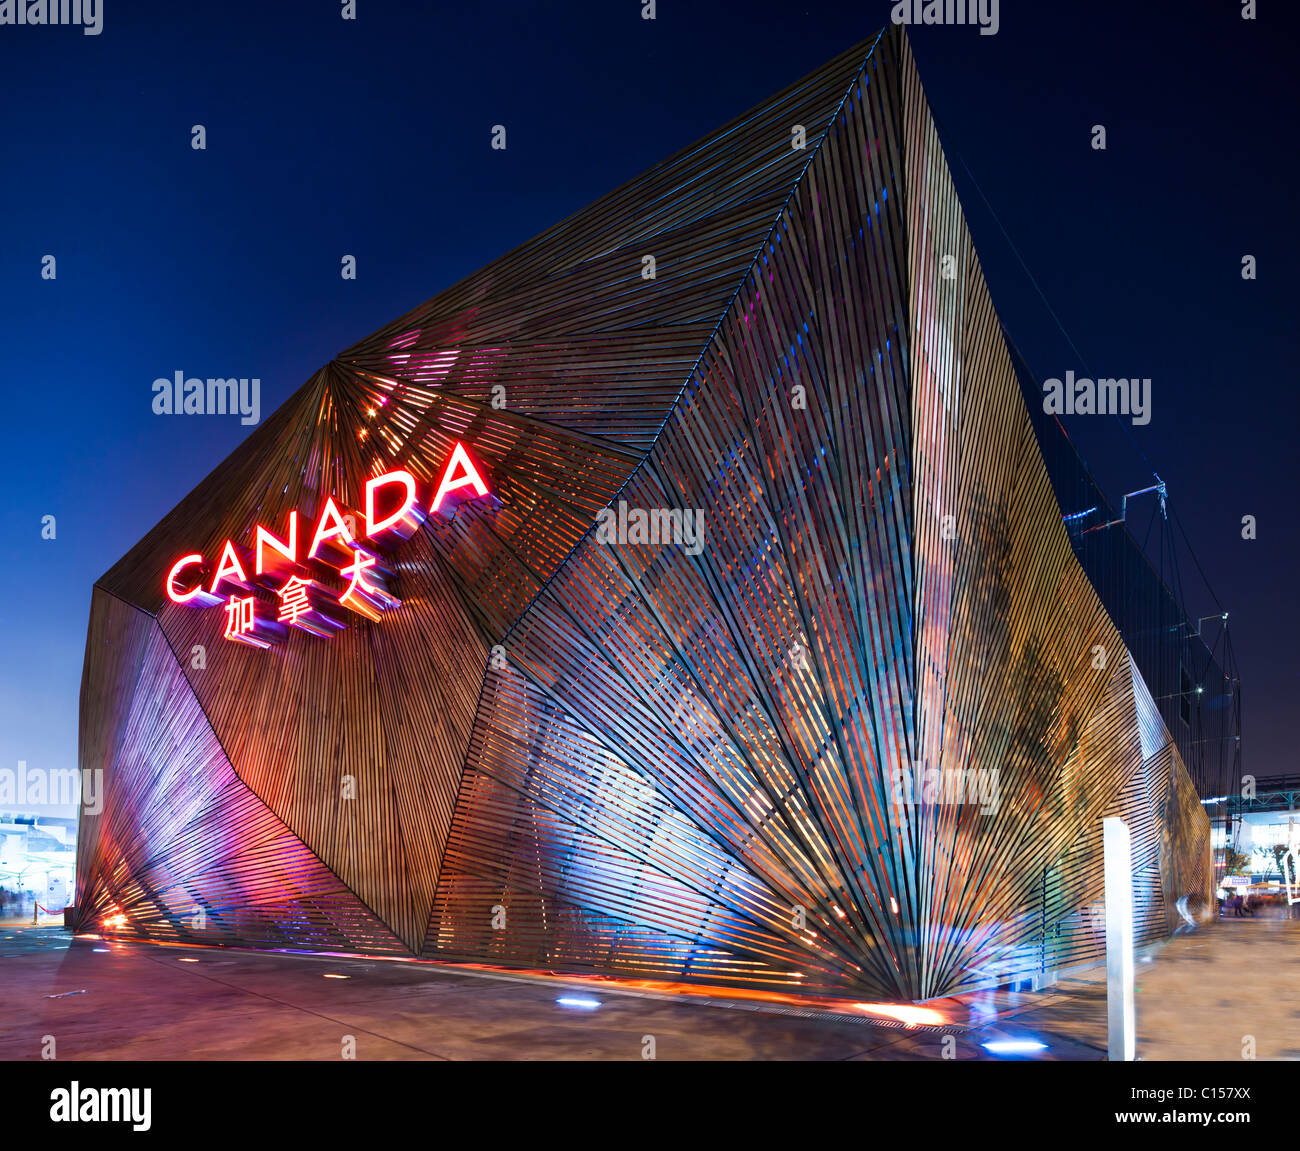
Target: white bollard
{"x": 1121, "y": 1042}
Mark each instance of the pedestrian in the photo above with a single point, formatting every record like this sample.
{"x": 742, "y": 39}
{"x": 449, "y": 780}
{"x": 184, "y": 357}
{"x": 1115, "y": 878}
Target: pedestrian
{"x": 1236, "y": 907}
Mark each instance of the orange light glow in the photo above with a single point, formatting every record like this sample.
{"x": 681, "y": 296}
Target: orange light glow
{"x": 904, "y": 1013}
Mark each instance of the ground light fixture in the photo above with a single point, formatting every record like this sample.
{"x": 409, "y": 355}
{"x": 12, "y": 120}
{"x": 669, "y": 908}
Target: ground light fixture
{"x": 1014, "y": 1047}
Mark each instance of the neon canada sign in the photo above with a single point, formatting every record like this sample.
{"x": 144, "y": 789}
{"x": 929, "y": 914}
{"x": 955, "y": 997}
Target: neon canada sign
{"x": 289, "y": 565}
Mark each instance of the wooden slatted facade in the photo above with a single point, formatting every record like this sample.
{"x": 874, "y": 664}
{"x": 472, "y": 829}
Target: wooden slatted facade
{"x": 643, "y": 759}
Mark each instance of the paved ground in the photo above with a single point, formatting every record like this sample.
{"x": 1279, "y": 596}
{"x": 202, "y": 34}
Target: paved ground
{"x": 1220, "y": 993}
{"x": 110, "y": 1000}
{"x": 1203, "y": 995}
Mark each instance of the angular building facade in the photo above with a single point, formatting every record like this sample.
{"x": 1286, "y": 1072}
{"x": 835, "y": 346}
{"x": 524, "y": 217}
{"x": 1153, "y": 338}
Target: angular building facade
{"x": 727, "y": 631}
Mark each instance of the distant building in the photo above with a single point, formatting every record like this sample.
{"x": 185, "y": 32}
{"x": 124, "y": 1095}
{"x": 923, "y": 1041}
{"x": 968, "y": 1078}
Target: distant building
{"x": 37, "y": 854}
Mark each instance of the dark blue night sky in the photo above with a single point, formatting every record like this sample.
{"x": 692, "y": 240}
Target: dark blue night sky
{"x": 329, "y": 137}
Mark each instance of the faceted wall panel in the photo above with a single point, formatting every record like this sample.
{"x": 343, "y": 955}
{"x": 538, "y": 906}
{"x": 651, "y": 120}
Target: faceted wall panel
{"x": 182, "y": 850}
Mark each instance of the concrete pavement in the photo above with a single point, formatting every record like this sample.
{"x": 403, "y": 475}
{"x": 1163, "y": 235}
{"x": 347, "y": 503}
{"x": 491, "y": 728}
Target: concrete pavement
{"x": 1198, "y": 997}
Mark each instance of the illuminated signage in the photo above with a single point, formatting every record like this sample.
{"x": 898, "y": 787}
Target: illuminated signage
{"x": 289, "y": 564}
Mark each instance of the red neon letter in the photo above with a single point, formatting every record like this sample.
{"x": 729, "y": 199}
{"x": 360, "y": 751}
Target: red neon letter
{"x": 329, "y": 514}
{"x": 290, "y": 550}
{"x": 468, "y": 477}
{"x": 401, "y": 520}
{"x": 229, "y": 568}
{"x": 172, "y": 593}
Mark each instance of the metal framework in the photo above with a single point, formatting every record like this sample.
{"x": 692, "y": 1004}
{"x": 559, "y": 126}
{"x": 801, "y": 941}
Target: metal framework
{"x": 642, "y": 759}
